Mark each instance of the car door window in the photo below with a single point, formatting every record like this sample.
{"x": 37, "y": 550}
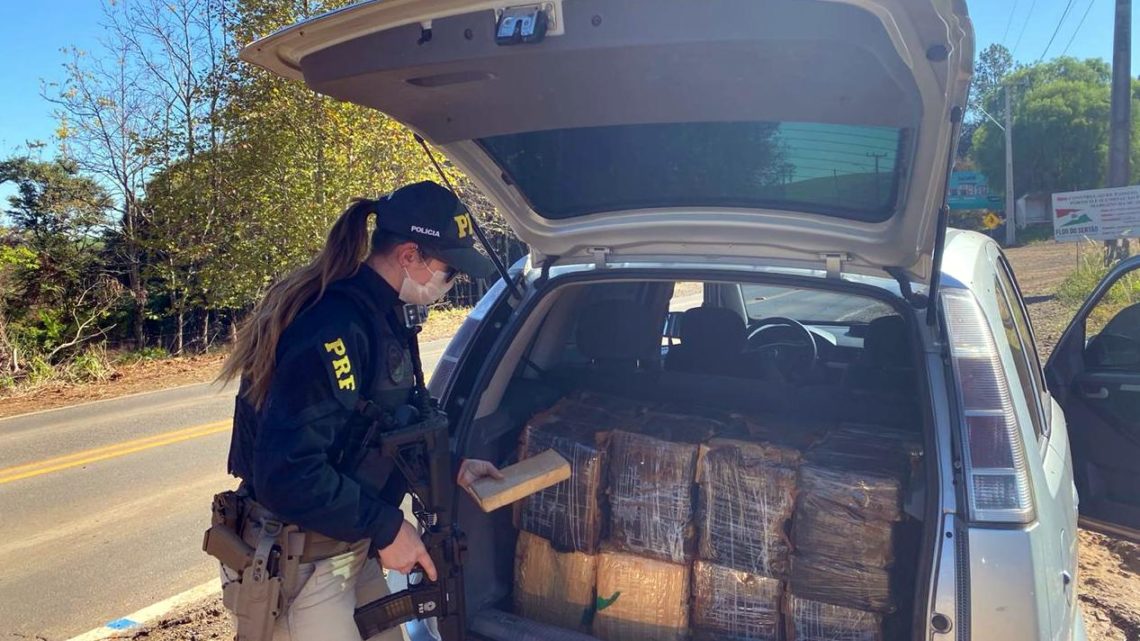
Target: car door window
{"x": 1113, "y": 328}
{"x": 1019, "y": 335}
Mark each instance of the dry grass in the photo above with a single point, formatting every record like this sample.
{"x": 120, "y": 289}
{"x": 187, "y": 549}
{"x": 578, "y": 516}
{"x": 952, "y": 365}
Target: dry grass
{"x": 443, "y": 323}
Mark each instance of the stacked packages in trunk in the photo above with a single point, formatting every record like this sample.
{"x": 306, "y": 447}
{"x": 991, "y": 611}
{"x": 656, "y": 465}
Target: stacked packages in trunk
{"x": 641, "y": 599}
{"x": 850, "y": 502}
{"x": 554, "y": 587}
{"x": 651, "y": 496}
{"x": 809, "y": 620}
{"x": 747, "y": 496}
{"x": 571, "y": 514}
{"x": 732, "y": 605}
{"x": 666, "y": 531}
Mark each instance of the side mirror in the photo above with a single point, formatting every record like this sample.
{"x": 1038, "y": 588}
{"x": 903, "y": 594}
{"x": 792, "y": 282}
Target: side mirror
{"x": 672, "y": 329}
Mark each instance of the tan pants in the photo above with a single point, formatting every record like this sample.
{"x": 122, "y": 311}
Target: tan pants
{"x": 330, "y": 589}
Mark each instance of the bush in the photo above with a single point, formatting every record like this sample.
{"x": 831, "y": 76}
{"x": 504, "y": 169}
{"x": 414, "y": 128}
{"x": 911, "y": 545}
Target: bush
{"x": 1081, "y": 282}
{"x": 89, "y": 365}
{"x": 140, "y": 355}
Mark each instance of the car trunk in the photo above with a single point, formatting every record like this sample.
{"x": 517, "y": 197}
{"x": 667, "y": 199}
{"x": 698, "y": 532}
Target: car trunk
{"x": 704, "y": 505}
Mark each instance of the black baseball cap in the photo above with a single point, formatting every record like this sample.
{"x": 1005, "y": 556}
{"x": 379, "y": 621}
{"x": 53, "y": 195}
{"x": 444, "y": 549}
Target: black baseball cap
{"x": 431, "y": 216}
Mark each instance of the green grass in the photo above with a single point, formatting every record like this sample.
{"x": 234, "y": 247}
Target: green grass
{"x": 1081, "y": 282}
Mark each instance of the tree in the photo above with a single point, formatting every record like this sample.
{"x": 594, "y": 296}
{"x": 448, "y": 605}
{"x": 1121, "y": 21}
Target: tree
{"x": 54, "y": 281}
{"x": 1060, "y": 133}
{"x": 109, "y": 128}
{"x": 994, "y": 63}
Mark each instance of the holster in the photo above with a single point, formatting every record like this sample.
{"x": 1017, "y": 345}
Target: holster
{"x": 265, "y": 553}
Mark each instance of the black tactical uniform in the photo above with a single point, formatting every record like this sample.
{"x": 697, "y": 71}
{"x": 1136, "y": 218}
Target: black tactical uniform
{"x": 294, "y": 460}
{"x": 302, "y": 456}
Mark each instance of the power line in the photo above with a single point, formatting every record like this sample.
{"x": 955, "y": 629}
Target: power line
{"x": 1024, "y": 24}
{"x": 1009, "y": 22}
{"x": 1079, "y": 25}
{"x": 1055, "y": 31}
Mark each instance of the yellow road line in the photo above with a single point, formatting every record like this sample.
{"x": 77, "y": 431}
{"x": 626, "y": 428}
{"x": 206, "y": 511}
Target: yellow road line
{"x": 37, "y": 468}
{"x": 47, "y": 466}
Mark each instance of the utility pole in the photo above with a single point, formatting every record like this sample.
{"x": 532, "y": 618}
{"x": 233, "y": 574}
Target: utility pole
{"x": 1120, "y": 129}
{"x": 877, "y": 156}
{"x": 1010, "y": 201}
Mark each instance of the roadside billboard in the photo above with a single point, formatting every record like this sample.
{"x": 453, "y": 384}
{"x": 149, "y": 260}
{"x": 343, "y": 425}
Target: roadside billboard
{"x": 1097, "y": 214}
{"x": 969, "y": 190}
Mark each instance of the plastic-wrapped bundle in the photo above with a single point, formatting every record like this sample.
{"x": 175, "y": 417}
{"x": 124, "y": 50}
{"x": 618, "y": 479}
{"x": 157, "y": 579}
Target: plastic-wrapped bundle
{"x": 554, "y": 587}
{"x": 861, "y": 494}
{"x": 809, "y": 620}
{"x": 839, "y": 534}
{"x": 570, "y": 513}
{"x": 679, "y": 428}
{"x": 651, "y": 487}
{"x": 731, "y": 605}
{"x": 832, "y": 580}
{"x": 747, "y": 496}
{"x": 641, "y": 599}
{"x": 868, "y": 448}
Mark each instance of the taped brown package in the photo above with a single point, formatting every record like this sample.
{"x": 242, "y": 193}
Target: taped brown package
{"x": 809, "y": 620}
{"x": 731, "y": 605}
{"x": 839, "y": 534}
{"x": 746, "y": 500}
{"x": 641, "y": 599}
{"x": 651, "y": 496}
{"x": 833, "y": 580}
{"x": 554, "y": 587}
{"x": 570, "y": 514}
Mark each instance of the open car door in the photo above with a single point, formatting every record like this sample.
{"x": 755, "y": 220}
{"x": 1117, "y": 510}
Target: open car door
{"x": 1094, "y": 373}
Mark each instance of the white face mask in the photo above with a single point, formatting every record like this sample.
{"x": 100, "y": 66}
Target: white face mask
{"x": 415, "y": 293}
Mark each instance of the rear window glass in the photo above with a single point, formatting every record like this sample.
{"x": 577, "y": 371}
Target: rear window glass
{"x": 811, "y": 305}
{"x": 845, "y": 171}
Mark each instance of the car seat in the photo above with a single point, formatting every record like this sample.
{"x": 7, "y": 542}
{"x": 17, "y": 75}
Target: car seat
{"x": 712, "y": 342}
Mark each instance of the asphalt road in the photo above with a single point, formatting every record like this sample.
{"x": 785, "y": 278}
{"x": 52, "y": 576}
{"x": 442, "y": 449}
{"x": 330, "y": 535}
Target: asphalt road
{"x": 103, "y": 505}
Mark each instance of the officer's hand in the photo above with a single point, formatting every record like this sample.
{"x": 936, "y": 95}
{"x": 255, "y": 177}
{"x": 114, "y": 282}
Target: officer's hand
{"x": 473, "y": 469}
{"x": 406, "y": 551}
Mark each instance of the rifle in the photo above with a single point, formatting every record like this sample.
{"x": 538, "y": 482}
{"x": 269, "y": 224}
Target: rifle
{"x": 421, "y": 453}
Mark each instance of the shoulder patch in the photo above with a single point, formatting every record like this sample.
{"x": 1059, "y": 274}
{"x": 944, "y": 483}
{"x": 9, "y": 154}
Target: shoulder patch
{"x": 336, "y": 354}
{"x": 397, "y": 365}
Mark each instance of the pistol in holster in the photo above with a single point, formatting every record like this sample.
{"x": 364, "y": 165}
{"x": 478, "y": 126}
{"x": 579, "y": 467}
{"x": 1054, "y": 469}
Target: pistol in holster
{"x": 265, "y": 554}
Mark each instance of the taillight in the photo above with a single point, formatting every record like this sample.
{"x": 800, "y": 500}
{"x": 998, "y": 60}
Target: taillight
{"x": 997, "y": 477}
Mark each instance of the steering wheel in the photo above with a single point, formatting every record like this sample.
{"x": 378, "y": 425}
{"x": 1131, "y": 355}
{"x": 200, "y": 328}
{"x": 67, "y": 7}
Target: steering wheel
{"x": 786, "y": 344}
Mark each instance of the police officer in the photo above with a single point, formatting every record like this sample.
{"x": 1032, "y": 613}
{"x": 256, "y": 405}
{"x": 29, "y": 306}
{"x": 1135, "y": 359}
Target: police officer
{"x": 324, "y": 339}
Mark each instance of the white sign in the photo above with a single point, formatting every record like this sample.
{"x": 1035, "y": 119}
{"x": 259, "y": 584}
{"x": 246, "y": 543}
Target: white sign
{"x": 1097, "y": 214}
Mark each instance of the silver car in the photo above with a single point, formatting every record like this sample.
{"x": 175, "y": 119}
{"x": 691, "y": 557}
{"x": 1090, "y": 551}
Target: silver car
{"x": 790, "y": 158}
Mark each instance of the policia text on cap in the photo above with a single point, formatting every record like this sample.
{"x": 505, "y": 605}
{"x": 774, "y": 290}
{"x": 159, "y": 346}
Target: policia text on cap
{"x": 324, "y": 354}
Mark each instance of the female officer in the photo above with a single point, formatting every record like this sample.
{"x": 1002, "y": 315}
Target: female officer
{"x": 324, "y": 338}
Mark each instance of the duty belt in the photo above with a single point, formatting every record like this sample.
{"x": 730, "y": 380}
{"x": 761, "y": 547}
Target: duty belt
{"x": 316, "y": 546}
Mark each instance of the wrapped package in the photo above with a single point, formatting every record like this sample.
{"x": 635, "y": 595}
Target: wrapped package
{"x": 651, "y": 496}
{"x": 868, "y": 448}
{"x": 641, "y": 599}
{"x": 838, "y": 533}
{"x": 602, "y": 411}
{"x": 679, "y": 428}
{"x": 809, "y": 620}
{"x": 746, "y": 499}
{"x": 865, "y": 495}
{"x": 570, "y": 513}
{"x": 731, "y": 605}
{"x": 837, "y": 581}
{"x": 554, "y": 587}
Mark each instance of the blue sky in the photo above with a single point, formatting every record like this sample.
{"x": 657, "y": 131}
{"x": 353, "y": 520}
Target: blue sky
{"x": 32, "y": 34}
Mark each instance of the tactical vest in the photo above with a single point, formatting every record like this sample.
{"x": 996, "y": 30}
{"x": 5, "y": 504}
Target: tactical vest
{"x": 388, "y": 385}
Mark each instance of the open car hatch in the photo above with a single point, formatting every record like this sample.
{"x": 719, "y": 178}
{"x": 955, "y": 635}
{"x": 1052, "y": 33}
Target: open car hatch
{"x": 805, "y": 132}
